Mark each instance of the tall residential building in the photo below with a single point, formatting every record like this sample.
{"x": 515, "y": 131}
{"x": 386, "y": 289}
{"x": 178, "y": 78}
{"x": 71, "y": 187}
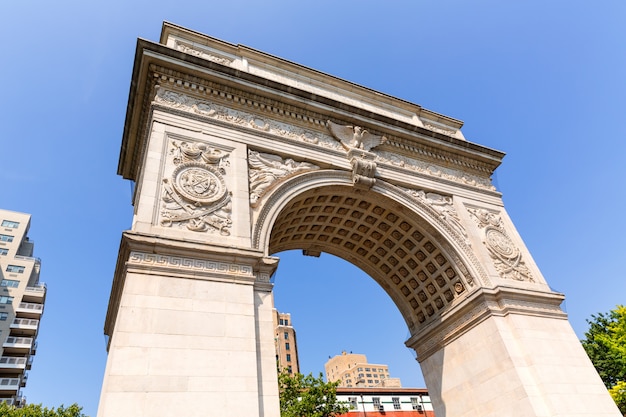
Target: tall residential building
{"x": 286, "y": 344}
{"x": 22, "y": 298}
{"x": 353, "y": 370}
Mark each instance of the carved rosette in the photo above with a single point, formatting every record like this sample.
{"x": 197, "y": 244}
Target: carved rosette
{"x": 506, "y": 256}
{"x": 195, "y": 196}
{"x": 267, "y": 170}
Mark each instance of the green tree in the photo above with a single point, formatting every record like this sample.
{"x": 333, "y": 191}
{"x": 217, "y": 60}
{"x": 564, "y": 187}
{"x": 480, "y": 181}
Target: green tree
{"x": 307, "y": 396}
{"x": 605, "y": 343}
{"x": 37, "y": 410}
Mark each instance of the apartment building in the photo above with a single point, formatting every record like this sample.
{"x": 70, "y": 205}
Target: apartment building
{"x": 386, "y": 402}
{"x": 353, "y": 371}
{"x": 22, "y": 299}
{"x": 286, "y": 343}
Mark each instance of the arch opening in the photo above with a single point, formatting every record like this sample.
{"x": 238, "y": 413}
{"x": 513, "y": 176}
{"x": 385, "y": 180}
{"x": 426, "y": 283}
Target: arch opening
{"x": 406, "y": 256}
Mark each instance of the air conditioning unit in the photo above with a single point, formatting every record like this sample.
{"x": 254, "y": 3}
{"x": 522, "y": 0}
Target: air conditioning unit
{"x": 381, "y": 408}
{"x": 417, "y": 407}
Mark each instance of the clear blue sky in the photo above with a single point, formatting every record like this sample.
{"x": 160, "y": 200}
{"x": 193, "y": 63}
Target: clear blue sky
{"x": 542, "y": 81}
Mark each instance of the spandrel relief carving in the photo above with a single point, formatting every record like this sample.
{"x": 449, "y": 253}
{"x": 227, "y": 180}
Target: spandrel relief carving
{"x": 506, "y": 256}
{"x": 266, "y": 170}
{"x": 195, "y": 196}
{"x": 444, "y": 209}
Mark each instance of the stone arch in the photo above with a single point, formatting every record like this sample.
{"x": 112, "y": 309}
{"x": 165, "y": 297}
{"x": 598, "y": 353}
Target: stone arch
{"x": 190, "y": 312}
{"x": 399, "y": 241}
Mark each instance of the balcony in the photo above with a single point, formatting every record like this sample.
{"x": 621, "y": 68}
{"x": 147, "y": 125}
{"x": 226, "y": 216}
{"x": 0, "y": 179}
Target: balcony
{"x": 9, "y": 385}
{"x": 19, "y": 345}
{"x": 24, "y": 327}
{"x": 13, "y": 364}
{"x": 29, "y": 310}
{"x": 35, "y": 294}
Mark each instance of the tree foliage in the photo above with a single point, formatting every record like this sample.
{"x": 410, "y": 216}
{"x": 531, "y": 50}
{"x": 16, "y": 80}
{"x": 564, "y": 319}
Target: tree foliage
{"x": 605, "y": 343}
{"x": 308, "y": 396}
{"x": 37, "y": 410}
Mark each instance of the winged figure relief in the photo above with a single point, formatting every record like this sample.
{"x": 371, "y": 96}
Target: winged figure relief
{"x": 354, "y": 136}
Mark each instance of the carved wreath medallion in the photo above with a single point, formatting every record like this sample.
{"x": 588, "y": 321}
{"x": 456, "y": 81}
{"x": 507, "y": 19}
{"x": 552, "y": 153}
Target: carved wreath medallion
{"x": 506, "y": 257}
{"x": 195, "y": 196}
{"x": 199, "y": 183}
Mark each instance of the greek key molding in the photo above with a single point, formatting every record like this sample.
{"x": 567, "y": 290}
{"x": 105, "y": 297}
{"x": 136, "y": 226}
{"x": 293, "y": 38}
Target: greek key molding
{"x": 190, "y": 264}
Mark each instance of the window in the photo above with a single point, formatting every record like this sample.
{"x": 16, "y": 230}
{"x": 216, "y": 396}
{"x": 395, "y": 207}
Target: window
{"x": 286, "y": 335}
{"x": 352, "y": 402}
{"x": 361, "y": 375}
{"x": 369, "y": 375}
{"x": 376, "y": 381}
{"x": 376, "y": 402}
{"x": 15, "y": 268}
{"x": 367, "y": 369}
{"x": 4, "y": 251}
{"x": 4, "y": 316}
{"x": 396, "y": 403}
{"x": 289, "y": 369}
{"x": 289, "y": 357}
{"x": 6, "y": 238}
{"x": 6, "y": 300}
{"x": 286, "y": 345}
{"x": 10, "y": 224}
{"x": 360, "y": 369}
{"x": 369, "y": 381}
{"x": 416, "y": 403}
{"x": 284, "y": 322}
{"x": 375, "y": 375}
{"x": 9, "y": 283}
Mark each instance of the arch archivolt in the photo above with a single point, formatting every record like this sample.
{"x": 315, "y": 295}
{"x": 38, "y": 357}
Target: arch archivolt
{"x": 410, "y": 241}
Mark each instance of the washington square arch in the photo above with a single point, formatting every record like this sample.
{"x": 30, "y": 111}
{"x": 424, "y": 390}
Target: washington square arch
{"x": 237, "y": 155}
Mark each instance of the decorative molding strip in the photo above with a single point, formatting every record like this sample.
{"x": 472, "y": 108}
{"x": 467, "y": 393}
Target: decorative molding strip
{"x": 432, "y": 170}
{"x": 166, "y": 76}
{"x": 199, "y": 52}
{"x": 191, "y": 264}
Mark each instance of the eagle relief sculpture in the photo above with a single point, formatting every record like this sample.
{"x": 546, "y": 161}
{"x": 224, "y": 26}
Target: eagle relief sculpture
{"x": 354, "y": 137}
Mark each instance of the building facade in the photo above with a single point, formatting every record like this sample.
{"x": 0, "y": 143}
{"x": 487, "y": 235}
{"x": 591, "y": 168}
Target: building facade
{"x": 353, "y": 371}
{"x": 22, "y": 299}
{"x": 388, "y": 402}
{"x": 286, "y": 343}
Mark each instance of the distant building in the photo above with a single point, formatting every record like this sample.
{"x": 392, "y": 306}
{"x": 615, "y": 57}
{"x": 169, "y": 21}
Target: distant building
{"x": 22, "y": 298}
{"x": 353, "y": 370}
{"x": 387, "y": 402}
{"x": 286, "y": 343}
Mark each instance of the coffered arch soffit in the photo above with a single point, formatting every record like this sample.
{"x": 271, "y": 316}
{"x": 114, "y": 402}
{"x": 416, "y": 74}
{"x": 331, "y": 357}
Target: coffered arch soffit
{"x": 418, "y": 259}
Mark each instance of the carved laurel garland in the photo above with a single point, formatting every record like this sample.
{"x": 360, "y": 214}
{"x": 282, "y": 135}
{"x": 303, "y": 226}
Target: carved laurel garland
{"x": 195, "y": 196}
{"x": 506, "y": 256}
{"x": 266, "y": 170}
{"x": 212, "y": 110}
{"x": 434, "y": 170}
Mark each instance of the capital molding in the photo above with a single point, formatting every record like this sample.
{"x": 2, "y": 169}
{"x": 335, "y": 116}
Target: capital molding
{"x": 482, "y": 304}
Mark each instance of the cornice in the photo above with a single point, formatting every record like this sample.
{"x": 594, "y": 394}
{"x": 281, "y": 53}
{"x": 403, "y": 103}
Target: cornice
{"x": 153, "y": 62}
